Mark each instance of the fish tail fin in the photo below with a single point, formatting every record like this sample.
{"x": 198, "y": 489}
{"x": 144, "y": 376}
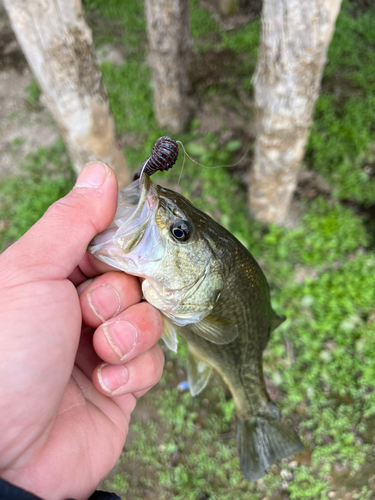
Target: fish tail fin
{"x": 261, "y": 441}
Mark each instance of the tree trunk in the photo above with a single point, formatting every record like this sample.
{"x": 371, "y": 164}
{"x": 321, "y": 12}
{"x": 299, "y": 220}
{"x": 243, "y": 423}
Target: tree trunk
{"x": 239, "y": 7}
{"x": 58, "y": 46}
{"x": 295, "y": 38}
{"x": 169, "y": 38}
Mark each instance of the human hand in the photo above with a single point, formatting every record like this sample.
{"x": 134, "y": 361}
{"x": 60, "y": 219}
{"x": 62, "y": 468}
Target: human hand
{"x": 67, "y": 389}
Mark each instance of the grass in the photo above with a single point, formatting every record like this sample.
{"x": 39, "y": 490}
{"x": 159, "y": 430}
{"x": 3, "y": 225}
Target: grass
{"x": 47, "y": 176}
{"x": 33, "y": 93}
{"x": 342, "y": 138}
{"x": 319, "y": 363}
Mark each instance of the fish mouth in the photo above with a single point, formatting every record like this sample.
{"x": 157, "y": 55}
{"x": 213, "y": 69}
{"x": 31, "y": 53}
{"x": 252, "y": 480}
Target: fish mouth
{"x": 132, "y": 237}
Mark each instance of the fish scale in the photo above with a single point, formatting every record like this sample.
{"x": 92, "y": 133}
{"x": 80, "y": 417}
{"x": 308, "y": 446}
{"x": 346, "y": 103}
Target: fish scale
{"x": 244, "y": 352}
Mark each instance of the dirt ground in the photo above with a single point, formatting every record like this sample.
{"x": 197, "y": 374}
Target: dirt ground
{"x": 24, "y": 128}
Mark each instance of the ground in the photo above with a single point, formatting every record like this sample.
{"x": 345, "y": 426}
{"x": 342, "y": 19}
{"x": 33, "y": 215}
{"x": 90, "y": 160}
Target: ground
{"x": 319, "y": 365}
{"x": 24, "y": 127}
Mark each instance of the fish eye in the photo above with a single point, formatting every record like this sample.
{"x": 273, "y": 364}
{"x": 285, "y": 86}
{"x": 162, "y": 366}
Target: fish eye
{"x": 181, "y": 230}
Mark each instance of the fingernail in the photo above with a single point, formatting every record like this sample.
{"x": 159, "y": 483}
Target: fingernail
{"x": 104, "y": 301}
{"x": 112, "y": 377}
{"x": 93, "y": 175}
{"x": 122, "y": 336}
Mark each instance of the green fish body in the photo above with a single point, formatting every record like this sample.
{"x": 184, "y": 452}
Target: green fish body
{"x": 212, "y": 292}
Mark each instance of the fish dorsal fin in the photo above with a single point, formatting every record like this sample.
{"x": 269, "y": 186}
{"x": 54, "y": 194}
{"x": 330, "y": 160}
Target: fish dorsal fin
{"x": 276, "y": 321}
{"x": 215, "y": 330}
{"x": 170, "y": 335}
{"x": 198, "y": 374}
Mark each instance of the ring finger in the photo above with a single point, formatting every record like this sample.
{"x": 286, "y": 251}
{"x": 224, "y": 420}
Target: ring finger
{"x": 134, "y": 377}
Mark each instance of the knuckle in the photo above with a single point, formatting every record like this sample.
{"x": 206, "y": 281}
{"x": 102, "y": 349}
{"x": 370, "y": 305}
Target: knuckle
{"x": 155, "y": 362}
{"x": 155, "y": 320}
{"x": 68, "y": 207}
{"x": 159, "y": 322}
{"x": 159, "y": 362}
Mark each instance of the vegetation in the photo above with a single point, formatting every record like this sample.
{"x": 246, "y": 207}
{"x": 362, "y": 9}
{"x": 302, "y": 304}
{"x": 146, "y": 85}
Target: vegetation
{"x": 319, "y": 365}
{"x": 343, "y": 135}
{"x": 46, "y": 177}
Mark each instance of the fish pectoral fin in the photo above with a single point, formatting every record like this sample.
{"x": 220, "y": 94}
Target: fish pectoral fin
{"x": 170, "y": 335}
{"x": 198, "y": 374}
{"x": 215, "y": 330}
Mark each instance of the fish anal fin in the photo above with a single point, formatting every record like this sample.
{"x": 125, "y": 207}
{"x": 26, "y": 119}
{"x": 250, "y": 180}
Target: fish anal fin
{"x": 215, "y": 330}
{"x": 170, "y": 335}
{"x": 198, "y": 374}
{"x": 261, "y": 442}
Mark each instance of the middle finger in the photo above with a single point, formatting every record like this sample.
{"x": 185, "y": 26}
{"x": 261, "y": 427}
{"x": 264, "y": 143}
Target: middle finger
{"x": 107, "y": 295}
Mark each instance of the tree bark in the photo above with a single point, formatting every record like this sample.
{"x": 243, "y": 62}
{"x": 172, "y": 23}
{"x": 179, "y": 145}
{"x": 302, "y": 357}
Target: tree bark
{"x": 295, "y": 38}
{"x": 57, "y": 44}
{"x": 169, "y": 38}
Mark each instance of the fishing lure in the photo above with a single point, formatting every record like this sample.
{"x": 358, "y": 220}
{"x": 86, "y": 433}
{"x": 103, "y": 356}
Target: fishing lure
{"x": 163, "y": 156}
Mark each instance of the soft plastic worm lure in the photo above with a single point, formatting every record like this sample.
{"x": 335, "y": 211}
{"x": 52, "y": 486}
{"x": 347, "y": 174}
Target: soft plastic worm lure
{"x": 163, "y": 156}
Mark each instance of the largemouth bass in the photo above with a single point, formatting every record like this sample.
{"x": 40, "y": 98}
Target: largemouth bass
{"x": 212, "y": 292}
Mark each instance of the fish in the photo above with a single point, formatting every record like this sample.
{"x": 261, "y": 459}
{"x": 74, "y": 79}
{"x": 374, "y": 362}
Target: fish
{"x": 210, "y": 291}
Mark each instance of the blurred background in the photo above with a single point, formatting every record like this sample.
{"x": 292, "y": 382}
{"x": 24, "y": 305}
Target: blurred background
{"x": 301, "y": 198}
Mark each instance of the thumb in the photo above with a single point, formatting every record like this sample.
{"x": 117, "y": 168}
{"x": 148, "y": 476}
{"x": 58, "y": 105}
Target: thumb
{"x": 54, "y": 246}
